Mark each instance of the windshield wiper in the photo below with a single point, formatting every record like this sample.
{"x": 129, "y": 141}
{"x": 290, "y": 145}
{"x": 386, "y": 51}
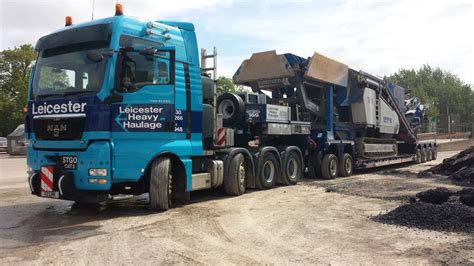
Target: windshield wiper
{"x": 41, "y": 96}
{"x": 76, "y": 92}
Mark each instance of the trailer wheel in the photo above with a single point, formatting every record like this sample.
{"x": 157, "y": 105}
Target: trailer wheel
{"x": 423, "y": 155}
{"x": 329, "y": 166}
{"x": 268, "y": 172}
{"x": 292, "y": 169}
{"x": 234, "y": 182}
{"x": 232, "y": 108}
{"x": 418, "y": 156}
{"x": 160, "y": 184}
{"x": 429, "y": 154}
{"x": 434, "y": 154}
{"x": 346, "y": 165}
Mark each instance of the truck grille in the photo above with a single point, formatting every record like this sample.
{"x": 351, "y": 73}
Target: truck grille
{"x": 58, "y": 127}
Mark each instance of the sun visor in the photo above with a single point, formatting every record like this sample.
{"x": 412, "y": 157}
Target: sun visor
{"x": 325, "y": 69}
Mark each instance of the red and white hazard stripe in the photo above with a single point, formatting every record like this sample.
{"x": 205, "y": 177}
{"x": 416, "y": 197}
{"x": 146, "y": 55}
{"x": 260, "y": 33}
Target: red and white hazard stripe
{"x": 221, "y": 136}
{"x": 46, "y": 175}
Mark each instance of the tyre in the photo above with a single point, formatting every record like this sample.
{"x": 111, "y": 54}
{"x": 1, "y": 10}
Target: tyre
{"x": 160, "y": 184}
{"x": 434, "y": 153}
{"x": 418, "y": 156}
{"x": 292, "y": 168}
{"x": 429, "y": 154}
{"x": 207, "y": 88}
{"x": 234, "y": 182}
{"x": 232, "y": 108}
{"x": 314, "y": 168}
{"x": 346, "y": 165}
{"x": 269, "y": 171}
{"x": 423, "y": 155}
{"x": 329, "y": 166}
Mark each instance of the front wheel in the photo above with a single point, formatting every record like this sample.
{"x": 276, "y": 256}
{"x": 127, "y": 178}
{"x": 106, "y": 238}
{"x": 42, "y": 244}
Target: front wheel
{"x": 329, "y": 166}
{"x": 234, "y": 182}
{"x": 160, "y": 184}
{"x": 418, "y": 156}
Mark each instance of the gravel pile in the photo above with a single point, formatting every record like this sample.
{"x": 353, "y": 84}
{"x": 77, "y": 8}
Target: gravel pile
{"x": 435, "y": 196}
{"x": 451, "y": 217}
{"x": 460, "y": 168}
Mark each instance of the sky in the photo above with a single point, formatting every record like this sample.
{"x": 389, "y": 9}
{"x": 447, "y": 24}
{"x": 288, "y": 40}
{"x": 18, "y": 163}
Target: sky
{"x": 379, "y": 37}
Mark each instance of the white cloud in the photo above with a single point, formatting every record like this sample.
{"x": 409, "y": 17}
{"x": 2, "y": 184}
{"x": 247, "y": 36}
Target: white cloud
{"x": 377, "y": 36}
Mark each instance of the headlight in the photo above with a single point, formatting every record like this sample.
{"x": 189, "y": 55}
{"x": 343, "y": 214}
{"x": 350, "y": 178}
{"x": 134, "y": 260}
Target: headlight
{"x": 98, "y": 172}
{"x": 29, "y": 170}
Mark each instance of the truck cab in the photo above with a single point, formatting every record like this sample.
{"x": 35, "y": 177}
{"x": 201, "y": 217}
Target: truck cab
{"x": 106, "y": 98}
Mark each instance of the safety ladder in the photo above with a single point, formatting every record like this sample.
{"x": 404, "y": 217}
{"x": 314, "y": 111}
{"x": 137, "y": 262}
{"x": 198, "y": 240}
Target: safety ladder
{"x": 204, "y": 68}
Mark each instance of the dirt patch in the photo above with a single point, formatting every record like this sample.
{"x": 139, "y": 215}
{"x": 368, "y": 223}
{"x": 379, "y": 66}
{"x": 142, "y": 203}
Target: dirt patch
{"x": 451, "y": 217}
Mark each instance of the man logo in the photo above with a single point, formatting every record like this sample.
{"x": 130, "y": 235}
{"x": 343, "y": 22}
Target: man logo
{"x": 56, "y": 129}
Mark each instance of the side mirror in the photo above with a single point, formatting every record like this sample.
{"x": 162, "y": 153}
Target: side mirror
{"x": 95, "y": 56}
{"x": 113, "y": 98}
{"x": 148, "y": 51}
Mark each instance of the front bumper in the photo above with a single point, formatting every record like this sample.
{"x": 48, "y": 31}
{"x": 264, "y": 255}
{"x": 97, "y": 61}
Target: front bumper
{"x": 97, "y": 155}
{"x": 63, "y": 187}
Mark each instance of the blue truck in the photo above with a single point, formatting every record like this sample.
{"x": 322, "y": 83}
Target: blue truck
{"x": 122, "y": 105}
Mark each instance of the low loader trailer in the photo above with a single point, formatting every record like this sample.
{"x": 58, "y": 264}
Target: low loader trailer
{"x": 122, "y": 105}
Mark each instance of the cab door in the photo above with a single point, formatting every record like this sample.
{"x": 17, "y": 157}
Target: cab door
{"x": 144, "y": 120}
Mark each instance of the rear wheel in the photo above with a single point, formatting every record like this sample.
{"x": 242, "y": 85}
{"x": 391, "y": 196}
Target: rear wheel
{"x": 160, "y": 184}
{"x": 434, "y": 153}
{"x": 269, "y": 171}
{"x": 292, "y": 168}
{"x": 423, "y": 155}
{"x": 346, "y": 165}
{"x": 329, "y": 166}
{"x": 429, "y": 154}
{"x": 234, "y": 182}
{"x": 418, "y": 156}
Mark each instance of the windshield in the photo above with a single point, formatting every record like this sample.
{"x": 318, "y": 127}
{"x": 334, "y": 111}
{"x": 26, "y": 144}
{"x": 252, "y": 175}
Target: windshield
{"x": 68, "y": 70}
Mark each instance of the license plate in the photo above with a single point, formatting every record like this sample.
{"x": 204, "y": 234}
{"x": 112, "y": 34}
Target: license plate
{"x": 69, "y": 162}
{"x": 50, "y": 194}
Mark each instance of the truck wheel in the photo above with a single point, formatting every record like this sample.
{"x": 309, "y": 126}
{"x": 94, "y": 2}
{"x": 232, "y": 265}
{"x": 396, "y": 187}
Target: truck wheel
{"x": 234, "y": 182}
{"x": 429, "y": 154}
{"x": 434, "y": 153}
{"x": 346, "y": 165}
{"x": 268, "y": 172}
{"x": 329, "y": 166}
{"x": 232, "y": 108}
{"x": 160, "y": 184}
{"x": 292, "y": 169}
{"x": 418, "y": 156}
{"x": 423, "y": 155}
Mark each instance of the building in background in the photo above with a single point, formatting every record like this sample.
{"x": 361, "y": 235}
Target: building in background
{"x": 16, "y": 141}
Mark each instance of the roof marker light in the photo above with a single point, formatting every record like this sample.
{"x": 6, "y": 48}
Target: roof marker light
{"x": 118, "y": 10}
{"x": 68, "y": 21}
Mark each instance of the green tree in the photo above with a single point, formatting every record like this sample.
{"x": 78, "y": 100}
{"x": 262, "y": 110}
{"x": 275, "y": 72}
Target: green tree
{"x": 225, "y": 84}
{"x": 15, "y": 67}
{"x": 439, "y": 89}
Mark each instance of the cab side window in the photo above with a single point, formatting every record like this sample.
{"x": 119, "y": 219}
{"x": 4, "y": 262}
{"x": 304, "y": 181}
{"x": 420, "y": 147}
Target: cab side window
{"x": 141, "y": 70}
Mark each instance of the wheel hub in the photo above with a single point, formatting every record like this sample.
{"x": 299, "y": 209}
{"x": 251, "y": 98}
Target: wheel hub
{"x": 268, "y": 171}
